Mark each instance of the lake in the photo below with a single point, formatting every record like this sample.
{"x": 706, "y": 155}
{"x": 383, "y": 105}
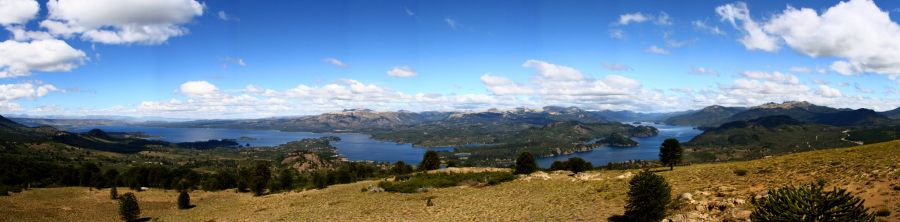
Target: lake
{"x": 648, "y": 148}
{"x": 357, "y": 146}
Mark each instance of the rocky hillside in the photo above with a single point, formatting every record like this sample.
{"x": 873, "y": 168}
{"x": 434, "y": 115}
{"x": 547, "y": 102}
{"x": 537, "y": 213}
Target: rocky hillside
{"x": 709, "y": 115}
{"x": 707, "y": 192}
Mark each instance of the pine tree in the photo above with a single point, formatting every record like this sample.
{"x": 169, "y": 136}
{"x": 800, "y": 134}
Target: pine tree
{"x": 128, "y": 207}
{"x": 431, "y": 161}
{"x": 670, "y": 153}
{"x": 525, "y": 164}
{"x": 648, "y": 196}
{"x": 184, "y": 200}
{"x": 810, "y": 203}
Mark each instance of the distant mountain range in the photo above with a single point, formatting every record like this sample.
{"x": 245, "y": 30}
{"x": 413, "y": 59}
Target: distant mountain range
{"x": 714, "y": 116}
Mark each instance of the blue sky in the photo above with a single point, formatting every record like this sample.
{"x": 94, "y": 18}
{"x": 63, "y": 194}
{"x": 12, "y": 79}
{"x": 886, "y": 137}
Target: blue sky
{"x": 247, "y": 59}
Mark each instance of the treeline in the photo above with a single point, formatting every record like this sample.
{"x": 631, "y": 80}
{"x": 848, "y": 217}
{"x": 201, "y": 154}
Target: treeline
{"x": 261, "y": 177}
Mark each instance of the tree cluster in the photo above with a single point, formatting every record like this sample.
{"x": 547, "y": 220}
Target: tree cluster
{"x": 574, "y": 164}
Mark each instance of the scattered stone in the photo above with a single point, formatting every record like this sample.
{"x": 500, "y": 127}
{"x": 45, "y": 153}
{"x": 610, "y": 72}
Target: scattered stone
{"x": 374, "y": 189}
{"x": 686, "y": 197}
{"x": 625, "y": 176}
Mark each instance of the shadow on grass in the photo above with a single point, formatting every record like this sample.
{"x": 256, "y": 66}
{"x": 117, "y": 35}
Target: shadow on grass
{"x": 617, "y": 218}
{"x": 188, "y": 207}
{"x": 142, "y": 219}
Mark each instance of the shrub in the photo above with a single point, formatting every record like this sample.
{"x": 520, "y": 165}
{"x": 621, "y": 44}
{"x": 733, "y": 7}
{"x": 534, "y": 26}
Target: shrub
{"x": 401, "y": 168}
{"x": 184, "y": 200}
{"x": 883, "y": 213}
{"x": 440, "y": 180}
{"x": 431, "y": 161}
{"x": 648, "y": 197}
{"x": 558, "y": 165}
{"x": 810, "y": 203}
{"x": 128, "y": 207}
{"x": 577, "y": 165}
{"x": 525, "y": 164}
{"x": 260, "y": 178}
{"x": 740, "y": 172}
{"x": 113, "y": 193}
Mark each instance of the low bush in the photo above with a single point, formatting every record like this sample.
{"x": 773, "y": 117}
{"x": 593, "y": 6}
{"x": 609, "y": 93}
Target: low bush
{"x": 810, "y": 203}
{"x": 883, "y": 213}
{"x": 740, "y": 172}
{"x": 441, "y": 180}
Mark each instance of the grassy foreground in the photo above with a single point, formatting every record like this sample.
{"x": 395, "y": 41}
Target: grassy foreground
{"x": 871, "y": 172}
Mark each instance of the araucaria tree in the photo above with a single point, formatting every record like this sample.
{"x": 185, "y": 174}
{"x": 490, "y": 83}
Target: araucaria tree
{"x": 431, "y": 161}
{"x": 260, "y": 178}
{"x": 128, "y": 207}
{"x": 810, "y": 203}
{"x": 184, "y": 200}
{"x": 525, "y": 164}
{"x": 648, "y": 196}
{"x": 670, "y": 153}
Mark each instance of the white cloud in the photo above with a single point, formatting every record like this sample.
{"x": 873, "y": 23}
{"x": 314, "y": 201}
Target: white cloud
{"x": 755, "y": 38}
{"x": 121, "y": 22}
{"x": 198, "y": 88}
{"x": 233, "y": 61}
{"x": 657, "y": 50}
{"x": 408, "y": 12}
{"x": 800, "y": 69}
{"x": 636, "y": 17}
{"x": 17, "y": 91}
{"x": 402, "y": 71}
{"x": 617, "y": 67}
{"x": 223, "y": 16}
{"x": 663, "y": 19}
{"x": 502, "y": 86}
{"x": 828, "y": 92}
{"x": 773, "y": 76}
{"x": 704, "y": 71}
{"x": 857, "y": 31}
{"x": 17, "y": 12}
{"x": 616, "y": 34}
{"x": 21, "y": 58}
{"x": 701, "y": 25}
{"x": 335, "y": 62}
{"x": 452, "y": 23}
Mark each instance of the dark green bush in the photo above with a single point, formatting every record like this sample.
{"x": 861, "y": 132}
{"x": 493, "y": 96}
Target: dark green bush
{"x": 128, "y": 207}
{"x": 184, "y": 200}
{"x": 648, "y": 196}
{"x": 740, "y": 172}
{"x": 525, "y": 164}
{"x": 883, "y": 213}
{"x": 810, "y": 203}
{"x": 440, "y": 180}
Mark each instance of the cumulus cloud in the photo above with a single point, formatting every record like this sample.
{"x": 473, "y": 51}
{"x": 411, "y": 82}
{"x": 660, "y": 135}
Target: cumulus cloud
{"x": 21, "y": 58}
{"x": 17, "y": 12}
{"x": 828, "y": 92}
{"x": 857, "y": 31}
{"x": 17, "y": 91}
{"x": 657, "y": 50}
{"x": 502, "y": 86}
{"x": 335, "y": 62}
{"x": 402, "y": 71}
{"x": 198, "y": 88}
{"x": 755, "y": 38}
{"x": 148, "y": 22}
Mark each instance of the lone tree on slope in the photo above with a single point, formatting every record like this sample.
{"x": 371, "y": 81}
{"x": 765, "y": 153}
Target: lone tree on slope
{"x": 670, "y": 153}
{"x": 431, "y": 161}
{"x": 184, "y": 200}
{"x": 648, "y": 196}
{"x": 525, "y": 164}
{"x": 128, "y": 207}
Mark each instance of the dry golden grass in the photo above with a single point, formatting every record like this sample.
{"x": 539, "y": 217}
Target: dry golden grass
{"x": 869, "y": 171}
